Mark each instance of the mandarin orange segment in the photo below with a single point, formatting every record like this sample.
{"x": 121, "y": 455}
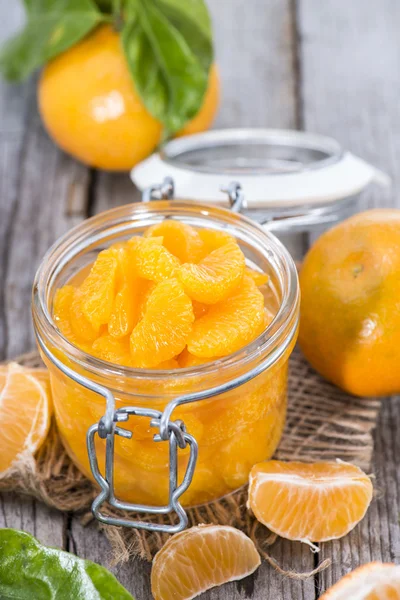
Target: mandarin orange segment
{"x": 213, "y": 239}
{"x": 201, "y": 558}
{"x": 373, "y": 581}
{"x": 81, "y": 326}
{"x": 230, "y": 324}
{"x": 166, "y": 324}
{"x": 168, "y": 365}
{"x": 199, "y": 309}
{"x": 25, "y": 413}
{"x": 259, "y": 277}
{"x": 190, "y": 360}
{"x": 253, "y": 443}
{"x": 69, "y": 318}
{"x": 206, "y": 484}
{"x": 98, "y": 289}
{"x": 216, "y": 276}
{"x": 113, "y": 350}
{"x": 180, "y": 239}
{"x": 61, "y": 310}
{"x": 124, "y": 315}
{"x": 145, "y": 289}
{"x": 309, "y": 502}
{"x": 151, "y": 260}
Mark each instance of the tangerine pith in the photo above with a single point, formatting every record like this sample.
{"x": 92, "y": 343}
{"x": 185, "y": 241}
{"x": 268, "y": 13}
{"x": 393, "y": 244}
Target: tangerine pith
{"x": 140, "y": 306}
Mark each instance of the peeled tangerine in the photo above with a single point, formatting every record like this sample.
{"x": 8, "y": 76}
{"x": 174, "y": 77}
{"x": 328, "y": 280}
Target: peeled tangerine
{"x": 25, "y": 413}
{"x": 373, "y": 581}
{"x": 229, "y": 325}
{"x": 163, "y": 331}
{"x": 309, "y": 502}
{"x": 200, "y": 558}
{"x": 181, "y": 240}
{"x": 216, "y": 276}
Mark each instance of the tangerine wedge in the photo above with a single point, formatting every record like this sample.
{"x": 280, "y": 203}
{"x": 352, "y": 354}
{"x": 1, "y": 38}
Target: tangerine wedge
{"x": 373, "y": 581}
{"x": 113, "y": 350}
{"x": 216, "y": 276}
{"x": 186, "y": 360}
{"x": 25, "y": 413}
{"x": 259, "y": 277}
{"x": 69, "y": 317}
{"x": 124, "y": 315}
{"x": 213, "y": 239}
{"x": 151, "y": 260}
{"x": 98, "y": 289}
{"x": 178, "y": 238}
{"x": 309, "y": 502}
{"x": 201, "y": 558}
{"x": 167, "y": 322}
{"x": 61, "y": 310}
{"x": 230, "y": 324}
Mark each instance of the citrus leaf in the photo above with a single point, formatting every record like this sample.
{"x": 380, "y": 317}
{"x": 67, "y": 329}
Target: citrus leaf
{"x": 169, "y": 52}
{"x": 192, "y": 20}
{"x": 194, "y": 11}
{"x": 29, "y": 570}
{"x": 52, "y": 27}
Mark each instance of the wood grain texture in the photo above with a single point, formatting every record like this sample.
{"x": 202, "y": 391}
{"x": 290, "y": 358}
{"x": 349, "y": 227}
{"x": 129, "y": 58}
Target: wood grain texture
{"x": 350, "y": 81}
{"x": 350, "y": 84}
{"x": 36, "y": 183}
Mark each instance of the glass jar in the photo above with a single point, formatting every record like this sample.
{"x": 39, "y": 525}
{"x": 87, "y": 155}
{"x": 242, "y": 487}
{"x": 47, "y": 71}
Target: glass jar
{"x": 235, "y": 429}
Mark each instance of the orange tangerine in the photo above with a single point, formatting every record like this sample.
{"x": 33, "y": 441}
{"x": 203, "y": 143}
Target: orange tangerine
{"x": 183, "y": 241}
{"x": 101, "y": 120}
{"x": 373, "y": 581}
{"x": 201, "y": 558}
{"x": 230, "y": 324}
{"x": 22, "y": 432}
{"x": 216, "y": 276}
{"x": 98, "y": 289}
{"x": 152, "y": 260}
{"x": 166, "y": 324}
{"x": 124, "y": 315}
{"x": 309, "y": 502}
{"x": 258, "y": 277}
{"x": 213, "y": 239}
{"x": 108, "y": 347}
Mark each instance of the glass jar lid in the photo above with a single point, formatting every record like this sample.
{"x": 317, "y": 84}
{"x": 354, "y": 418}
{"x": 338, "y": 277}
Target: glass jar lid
{"x": 275, "y": 168}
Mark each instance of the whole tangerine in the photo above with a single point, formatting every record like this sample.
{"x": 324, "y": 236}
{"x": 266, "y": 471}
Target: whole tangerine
{"x": 89, "y": 105}
{"x": 350, "y": 309}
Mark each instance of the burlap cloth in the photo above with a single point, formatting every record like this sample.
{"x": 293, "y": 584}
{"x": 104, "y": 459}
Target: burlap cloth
{"x": 323, "y": 423}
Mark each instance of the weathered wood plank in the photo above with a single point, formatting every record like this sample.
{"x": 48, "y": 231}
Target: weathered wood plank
{"x": 255, "y": 54}
{"x": 350, "y": 83}
{"x": 350, "y": 80}
{"x": 38, "y": 184}
{"x": 18, "y": 512}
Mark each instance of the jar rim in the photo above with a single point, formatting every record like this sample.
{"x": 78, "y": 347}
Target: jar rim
{"x": 119, "y": 221}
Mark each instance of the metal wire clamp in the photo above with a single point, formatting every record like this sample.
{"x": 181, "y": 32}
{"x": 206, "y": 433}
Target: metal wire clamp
{"x": 166, "y": 191}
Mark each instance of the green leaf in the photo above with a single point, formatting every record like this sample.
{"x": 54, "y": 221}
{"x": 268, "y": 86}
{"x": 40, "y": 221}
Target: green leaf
{"x": 168, "y": 46}
{"x": 52, "y": 27}
{"x": 194, "y": 11}
{"x": 29, "y": 570}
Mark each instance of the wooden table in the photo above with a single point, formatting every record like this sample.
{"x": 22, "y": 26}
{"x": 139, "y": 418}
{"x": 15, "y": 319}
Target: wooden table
{"x": 331, "y": 67}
